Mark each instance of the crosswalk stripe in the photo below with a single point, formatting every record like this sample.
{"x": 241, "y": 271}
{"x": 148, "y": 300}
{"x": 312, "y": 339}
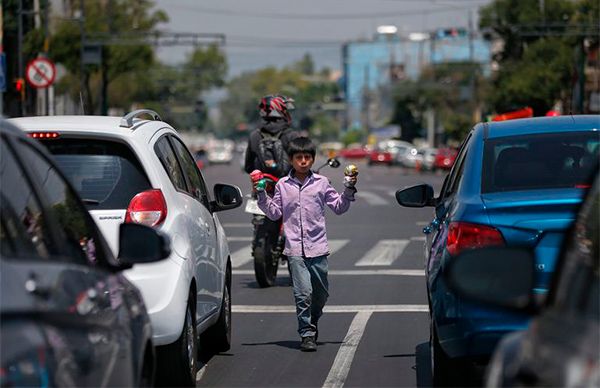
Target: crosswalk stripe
{"x": 336, "y": 245}
{"x": 355, "y": 272}
{"x": 241, "y": 257}
{"x": 384, "y": 308}
{"x": 237, "y": 225}
{"x": 244, "y": 238}
{"x": 385, "y": 252}
{"x": 371, "y": 198}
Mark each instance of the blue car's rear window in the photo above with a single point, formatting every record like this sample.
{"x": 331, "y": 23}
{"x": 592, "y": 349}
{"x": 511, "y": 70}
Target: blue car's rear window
{"x": 540, "y": 161}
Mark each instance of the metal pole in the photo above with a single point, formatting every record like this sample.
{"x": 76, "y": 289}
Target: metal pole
{"x": 20, "y": 50}
{"x": 82, "y": 66}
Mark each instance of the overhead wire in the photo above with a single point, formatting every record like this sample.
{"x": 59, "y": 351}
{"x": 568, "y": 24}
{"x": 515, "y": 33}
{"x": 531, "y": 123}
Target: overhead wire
{"x": 320, "y": 16}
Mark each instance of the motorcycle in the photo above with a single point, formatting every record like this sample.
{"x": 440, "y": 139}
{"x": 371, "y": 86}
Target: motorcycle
{"x": 268, "y": 239}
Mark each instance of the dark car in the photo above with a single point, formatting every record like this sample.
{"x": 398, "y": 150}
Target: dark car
{"x": 561, "y": 346}
{"x": 514, "y": 183}
{"x": 68, "y": 316}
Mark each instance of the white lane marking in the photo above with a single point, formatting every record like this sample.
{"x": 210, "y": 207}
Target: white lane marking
{"x": 244, "y": 238}
{"x": 418, "y": 238}
{"x": 200, "y": 373}
{"x": 336, "y": 245}
{"x": 371, "y": 198}
{"x": 423, "y": 223}
{"x": 343, "y": 360}
{"x": 238, "y": 225}
{"x": 385, "y": 252}
{"x": 383, "y": 308}
{"x": 241, "y": 256}
{"x": 355, "y": 272}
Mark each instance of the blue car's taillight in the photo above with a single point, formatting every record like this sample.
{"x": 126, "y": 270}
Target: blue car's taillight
{"x": 464, "y": 235}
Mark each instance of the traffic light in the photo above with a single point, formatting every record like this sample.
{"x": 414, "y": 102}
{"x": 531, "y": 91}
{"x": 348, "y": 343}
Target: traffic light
{"x": 20, "y": 88}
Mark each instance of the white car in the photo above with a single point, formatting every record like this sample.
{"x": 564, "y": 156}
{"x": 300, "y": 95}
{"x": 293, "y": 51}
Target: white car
{"x": 220, "y": 153}
{"x": 132, "y": 170}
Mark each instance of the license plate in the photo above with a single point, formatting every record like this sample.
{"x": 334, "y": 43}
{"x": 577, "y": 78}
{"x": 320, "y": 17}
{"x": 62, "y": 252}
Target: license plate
{"x": 252, "y": 207}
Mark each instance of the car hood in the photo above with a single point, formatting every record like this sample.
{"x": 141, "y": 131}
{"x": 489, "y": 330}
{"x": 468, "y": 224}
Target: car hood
{"x": 536, "y": 219}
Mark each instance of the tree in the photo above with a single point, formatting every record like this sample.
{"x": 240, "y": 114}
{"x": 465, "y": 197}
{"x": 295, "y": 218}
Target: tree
{"x": 451, "y": 89}
{"x": 114, "y": 17}
{"x": 539, "y": 57}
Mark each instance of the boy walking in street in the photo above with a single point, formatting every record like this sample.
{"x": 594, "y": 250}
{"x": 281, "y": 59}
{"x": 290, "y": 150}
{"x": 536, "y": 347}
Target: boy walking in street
{"x": 300, "y": 198}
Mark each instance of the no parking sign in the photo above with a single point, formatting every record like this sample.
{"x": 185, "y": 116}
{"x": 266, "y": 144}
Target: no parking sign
{"x": 40, "y": 73}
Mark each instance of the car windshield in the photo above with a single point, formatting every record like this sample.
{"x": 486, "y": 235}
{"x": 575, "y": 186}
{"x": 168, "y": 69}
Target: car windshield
{"x": 106, "y": 174}
{"x": 545, "y": 161}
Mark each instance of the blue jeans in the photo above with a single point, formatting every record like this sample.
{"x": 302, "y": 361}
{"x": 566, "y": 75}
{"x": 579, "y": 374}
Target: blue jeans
{"x": 309, "y": 277}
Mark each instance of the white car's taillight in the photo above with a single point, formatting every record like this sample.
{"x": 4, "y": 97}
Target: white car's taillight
{"x": 148, "y": 208}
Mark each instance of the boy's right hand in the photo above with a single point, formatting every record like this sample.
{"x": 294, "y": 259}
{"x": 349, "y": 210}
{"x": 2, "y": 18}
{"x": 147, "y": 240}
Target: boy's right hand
{"x": 257, "y": 178}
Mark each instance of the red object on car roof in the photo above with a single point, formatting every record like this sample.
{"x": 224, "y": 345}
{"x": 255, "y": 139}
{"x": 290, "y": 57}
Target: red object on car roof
{"x": 516, "y": 114}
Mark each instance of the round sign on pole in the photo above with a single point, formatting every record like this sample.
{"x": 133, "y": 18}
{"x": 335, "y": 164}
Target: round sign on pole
{"x": 40, "y": 73}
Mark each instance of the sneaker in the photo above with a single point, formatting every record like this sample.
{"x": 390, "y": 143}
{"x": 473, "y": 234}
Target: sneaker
{"x": 308, "y": 344}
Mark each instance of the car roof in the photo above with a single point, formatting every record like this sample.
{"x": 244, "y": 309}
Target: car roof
{"x": 107, "y": 126}
{"x": 496, "y": 129}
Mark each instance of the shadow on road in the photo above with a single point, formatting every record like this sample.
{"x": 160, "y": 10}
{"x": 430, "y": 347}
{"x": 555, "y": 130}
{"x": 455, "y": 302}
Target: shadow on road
{"x": 289, "y": 344}
{"x": 280, "y": 281}
{"x": 423, "y": 365}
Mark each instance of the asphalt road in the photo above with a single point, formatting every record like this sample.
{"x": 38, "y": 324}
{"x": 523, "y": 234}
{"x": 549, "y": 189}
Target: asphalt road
{"x": 375, "y": 329}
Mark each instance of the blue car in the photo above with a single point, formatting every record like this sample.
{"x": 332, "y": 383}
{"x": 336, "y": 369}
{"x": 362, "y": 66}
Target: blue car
{"x": 515, "y": 183}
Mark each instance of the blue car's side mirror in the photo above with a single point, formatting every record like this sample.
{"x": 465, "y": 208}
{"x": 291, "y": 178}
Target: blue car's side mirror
{"x": 416, "y": 196}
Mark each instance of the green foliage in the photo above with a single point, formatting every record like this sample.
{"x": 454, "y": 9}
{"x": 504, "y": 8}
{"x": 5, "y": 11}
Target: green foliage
{"x": 204, "y": 68}
{"x": 299, "y": 81}
{"x": 354, "y": 136}
{"x": 324, "y": 128}
{"x": 450, "y": 89}
{"x": 456, "y": 125}
{"x": 536, "y": 69}
{"x": 115, "y": 17}
{"x": 537, "y": 80}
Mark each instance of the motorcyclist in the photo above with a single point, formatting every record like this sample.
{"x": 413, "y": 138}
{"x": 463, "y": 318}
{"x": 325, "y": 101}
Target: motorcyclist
{"x": 268, "y": 144}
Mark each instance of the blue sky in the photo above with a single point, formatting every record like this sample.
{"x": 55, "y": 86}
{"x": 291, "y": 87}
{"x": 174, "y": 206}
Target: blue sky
{"x": 260, "y": 33}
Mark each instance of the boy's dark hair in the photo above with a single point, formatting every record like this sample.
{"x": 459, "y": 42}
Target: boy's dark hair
{"x": 301, "y": 144}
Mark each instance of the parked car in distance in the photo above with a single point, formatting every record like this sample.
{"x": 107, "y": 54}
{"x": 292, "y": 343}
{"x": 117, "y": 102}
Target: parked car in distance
{"x": 69, "y": 316}
{"x": 514, "y": 183}
{"x": 139, "y": 171}
{"x": 354, "y": 151}
{"x": 220, "y": 153}
{"x": 427, "y": 157}
{"x": 408, "y": 157}
{"x": 561, "y": 346}
{"x": 380, "y": 155}
{"x": 444, "y": 158}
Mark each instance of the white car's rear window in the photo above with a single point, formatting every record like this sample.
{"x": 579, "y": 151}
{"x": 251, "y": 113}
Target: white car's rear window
{"x": 106, "y": 174}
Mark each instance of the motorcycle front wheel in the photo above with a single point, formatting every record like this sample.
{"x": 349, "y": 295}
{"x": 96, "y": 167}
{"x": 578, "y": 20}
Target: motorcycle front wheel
{"x": 265, "y": 263}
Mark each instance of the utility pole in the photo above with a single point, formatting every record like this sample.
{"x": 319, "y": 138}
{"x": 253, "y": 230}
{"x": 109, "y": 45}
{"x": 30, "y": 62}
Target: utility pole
{"x": 82, "y": 87}
{"x": 20, "y": 50}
